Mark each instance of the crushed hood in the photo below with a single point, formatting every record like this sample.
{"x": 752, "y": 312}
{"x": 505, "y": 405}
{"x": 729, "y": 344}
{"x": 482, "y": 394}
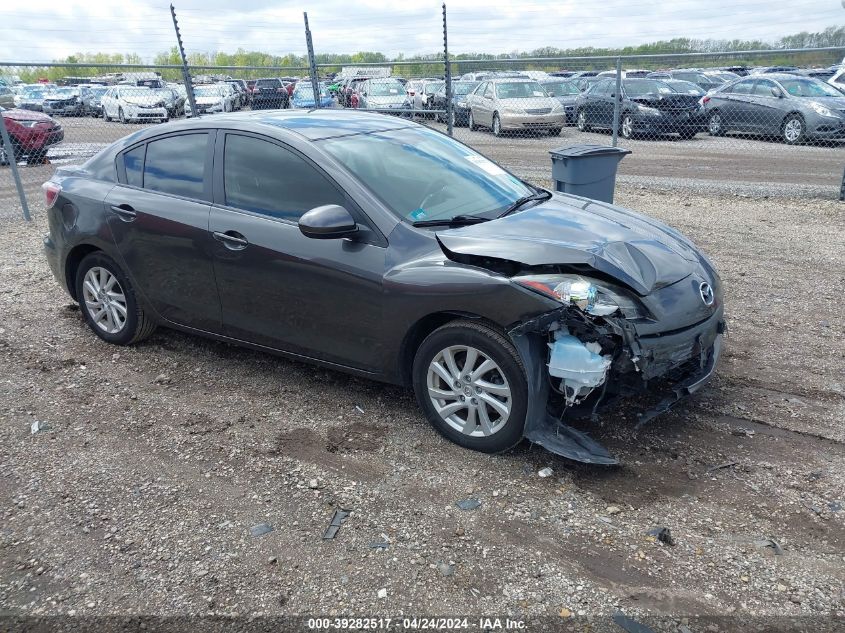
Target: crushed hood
{"x": 637, "y": 251}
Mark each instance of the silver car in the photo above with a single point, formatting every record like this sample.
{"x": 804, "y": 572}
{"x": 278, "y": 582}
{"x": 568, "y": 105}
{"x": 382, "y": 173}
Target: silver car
{"x": 788, "y": 106}
{"x": 386, "y": 93}
{"x": 515, "y": 104}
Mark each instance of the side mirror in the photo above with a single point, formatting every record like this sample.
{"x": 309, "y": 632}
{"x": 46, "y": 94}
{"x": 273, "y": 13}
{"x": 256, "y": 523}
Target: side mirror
{"x": 551, "y": 93}
{"x": 328, "y": 222}
{"x": 777, "y": 92}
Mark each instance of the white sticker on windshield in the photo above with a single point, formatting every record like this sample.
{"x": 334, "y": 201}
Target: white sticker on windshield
{"x": 487, "y": 165}
{"x": 539, "y": 93}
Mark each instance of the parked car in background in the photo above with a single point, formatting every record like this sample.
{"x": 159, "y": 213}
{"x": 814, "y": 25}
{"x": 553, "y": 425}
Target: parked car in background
{"x": 92, "y": 99}
{"x": 584, "y": 83}
{"x": 64, "y": 102}
{"x": 381, "y": 93}
{"x": 173, "y": 100}
{"x": 31, "y": 134}
{"x": 460, "y": 107}
{"x": 837, "y": 80}
{"x": 130, "y": 103}
{"x": 648, "y": 107}
{"x": 31, "y": 97}
{"x": 514, "y": 104}
{"x": 393, "y": 252}
{"x": 705, "y": 82}
{"x": 244, "y": 93}
{"x": 269, "y": 93}
{"x": 766, "y": 70}
{"x": 7, "y": 97}
{"x": 211, "y": 98}
{"x": 723, "y": 75}
{"x": 303, "y": 96}
{"x": 566, "y": 92}
{"x": 348, "y": 88}
{"x": 791, "y": 107}
{"x": 424, "y": 96}
{"x": 685, "y": 87}
{"x": 632, "y": 73}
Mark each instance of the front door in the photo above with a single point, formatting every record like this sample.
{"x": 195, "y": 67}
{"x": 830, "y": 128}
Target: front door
{"x": 278, "y": 288}
{"x": 158, "y": 216}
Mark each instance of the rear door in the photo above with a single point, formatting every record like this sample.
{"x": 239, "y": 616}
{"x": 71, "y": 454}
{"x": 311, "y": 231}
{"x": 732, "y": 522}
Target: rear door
{"x": 764, "y": 111}
{"x": 278, "y": 288}
{"x": 158, "y": 216}
{"x": 736, "y": 105}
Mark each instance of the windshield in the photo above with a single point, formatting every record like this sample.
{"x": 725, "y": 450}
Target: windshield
{"x": 520, "y": 90}
{"x": 207, "y": 91}
{"x": 686, "y": 87}
{"x": 35, "y": 93}
{"x": 642, "y": 87}
{"x": 457, "y": 181}
{"x": 136, "y": 92}
{"x": 386, "y": 89}
{"x": 430, "y": 89}
{"x": 809, "y": 88}
{"x": 65, "y": 92}
{"x": 463, "y": 87}
{"x": 97, "y": 92}
{"x": 562, "y": 88}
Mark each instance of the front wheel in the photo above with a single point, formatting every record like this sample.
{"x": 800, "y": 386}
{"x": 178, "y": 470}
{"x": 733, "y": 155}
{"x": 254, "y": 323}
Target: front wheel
{"x": 627, "y": 126}
{"x": 108, "y": 301}
{"x": 471, "y": 385}
{"x": 471, "y": 122}
{"x": 122, "y": 117}
{"x": 582, "y": 124}
{"x": 497, "y": 125}
{"x": 793, "y": 130}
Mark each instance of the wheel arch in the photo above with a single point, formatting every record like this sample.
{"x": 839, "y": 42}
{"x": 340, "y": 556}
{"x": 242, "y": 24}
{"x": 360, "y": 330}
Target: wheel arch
{"x": 72, "y": 261}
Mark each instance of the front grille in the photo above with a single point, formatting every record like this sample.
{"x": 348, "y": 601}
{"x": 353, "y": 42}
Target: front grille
{"x": 539, "y": 111}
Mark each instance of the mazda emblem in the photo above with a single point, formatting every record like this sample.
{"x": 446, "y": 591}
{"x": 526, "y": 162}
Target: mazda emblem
{"x": 706, "y": 292}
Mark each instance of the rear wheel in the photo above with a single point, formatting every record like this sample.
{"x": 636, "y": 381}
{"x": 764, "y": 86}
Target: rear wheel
{"x": 471, "y": 385}
{"x": 627, "y": 126}
{"x": 497, "y": 125}
{"x": 108, "y": 302}
{"x": 793, "y": 130}
{"x": 471, "y": 122}
{"x": 122, "y": 117}
{"x": 715, "y": 126}
{"x": 581, "y": 121}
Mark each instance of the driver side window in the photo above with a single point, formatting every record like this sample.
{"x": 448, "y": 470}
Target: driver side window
{"x": 488, "y": 91}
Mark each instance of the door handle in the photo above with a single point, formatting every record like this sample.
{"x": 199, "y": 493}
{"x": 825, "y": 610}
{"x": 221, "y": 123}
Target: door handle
{"x": 231, "y": 239}
{"x": 124, "y": 211}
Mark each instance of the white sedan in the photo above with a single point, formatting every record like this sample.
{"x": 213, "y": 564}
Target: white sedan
{"x": 130, "y": 103}
{"x": 214, "y": 98}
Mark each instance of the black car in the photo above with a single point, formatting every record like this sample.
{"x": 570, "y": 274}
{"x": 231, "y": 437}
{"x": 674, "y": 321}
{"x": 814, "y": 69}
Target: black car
{"x": 460, "y": 110}
{"x": 376, "y": 246}
{"x": 566, "y": 92}
{"x": 648, "y": 107}
{"x": 269, "y": 93}
{"x": 705, "y": 82}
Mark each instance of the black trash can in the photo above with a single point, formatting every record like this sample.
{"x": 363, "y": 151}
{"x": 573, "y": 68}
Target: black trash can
{"x": 587, "y": 170}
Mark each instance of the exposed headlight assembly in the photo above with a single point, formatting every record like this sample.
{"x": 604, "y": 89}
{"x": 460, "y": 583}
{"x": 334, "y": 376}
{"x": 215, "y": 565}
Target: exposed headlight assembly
{"x": 642, "y": 109}
{"x": 29, "y": 123}
{"x": 589, "y": 295}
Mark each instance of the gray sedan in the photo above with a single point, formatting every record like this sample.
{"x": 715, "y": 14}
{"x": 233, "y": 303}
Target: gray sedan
{"x": 791, "y": 107}
{"x": 376, "y": 246}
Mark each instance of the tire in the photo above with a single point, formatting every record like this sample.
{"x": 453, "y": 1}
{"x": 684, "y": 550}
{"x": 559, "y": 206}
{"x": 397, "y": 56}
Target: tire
{"x": 471, "y": 122}
{"x": 486, "y": 428}
{"x": 581, "y": 121}
{"x": 106, "y": 117}
{"x": 455, "y": 122}
{"x": 715, "y": 126}
{"x": 793, "y": 130}
{"x": 122, "y": 117}
{"x": 555, "y": 131}
{"x": 627, "y": 127}
{"x": 136, "y": 326}
{"x": 497, "y": 125}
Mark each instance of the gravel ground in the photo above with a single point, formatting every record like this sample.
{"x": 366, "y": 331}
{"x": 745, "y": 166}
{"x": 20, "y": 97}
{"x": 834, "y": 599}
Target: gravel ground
{"x": 154, "y": 464}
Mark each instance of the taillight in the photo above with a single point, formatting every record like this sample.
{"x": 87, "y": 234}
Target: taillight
{"x": 51, "y": 193}
{"x": 704, "y": 100}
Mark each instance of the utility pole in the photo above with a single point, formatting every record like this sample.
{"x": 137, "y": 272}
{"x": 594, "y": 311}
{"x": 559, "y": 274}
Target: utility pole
{"x": 186, "y": 75}
{"x": 312, "y": 63}
{"x": 617, "y": 100}
{"x": 449, "y": 105}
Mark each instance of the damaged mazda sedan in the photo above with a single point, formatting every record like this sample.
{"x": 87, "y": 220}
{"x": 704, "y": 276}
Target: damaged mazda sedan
{"x": 379, "y": 247}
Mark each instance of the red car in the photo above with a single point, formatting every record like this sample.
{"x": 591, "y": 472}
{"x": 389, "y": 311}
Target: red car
{"x": 31, "y": 134}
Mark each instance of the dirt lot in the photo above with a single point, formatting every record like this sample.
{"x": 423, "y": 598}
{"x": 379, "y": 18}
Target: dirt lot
{"x": 153, "y": 464}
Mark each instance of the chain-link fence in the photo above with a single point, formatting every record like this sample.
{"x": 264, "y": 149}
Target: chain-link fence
{"x": 772, "y": 119}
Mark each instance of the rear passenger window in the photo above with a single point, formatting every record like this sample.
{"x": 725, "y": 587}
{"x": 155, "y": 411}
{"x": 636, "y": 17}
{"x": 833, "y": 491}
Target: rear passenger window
{"x": 176, "y": 165}
{"x": 133, "y": 162}
{"x": 263, "y": 177}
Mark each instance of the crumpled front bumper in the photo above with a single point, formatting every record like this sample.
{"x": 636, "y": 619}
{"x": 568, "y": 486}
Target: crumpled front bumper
{"x": 676, "y": 364}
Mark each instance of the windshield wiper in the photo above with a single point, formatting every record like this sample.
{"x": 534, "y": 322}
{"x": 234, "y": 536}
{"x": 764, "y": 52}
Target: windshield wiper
{"x": 458, "y": 220}
{"x": 542, "y": 194}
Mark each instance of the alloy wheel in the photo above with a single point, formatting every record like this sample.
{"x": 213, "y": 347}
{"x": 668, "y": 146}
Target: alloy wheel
{"x": 469, "y": 391}
{"x": 104, "y": 300}
{"x": 714, "y": 124}
{"x": 582, "y": 120}
{"x": 627, "y": 127}
{"x": 793, "y": 130}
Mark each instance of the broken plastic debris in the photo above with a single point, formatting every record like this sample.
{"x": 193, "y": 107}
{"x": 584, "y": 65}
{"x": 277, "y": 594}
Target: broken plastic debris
{"x": 337, "y": 520}
{"x": 37, "y": 426}
{"x": 261, "y": 529}
{"x": 545, "y": 472}
{"x": 834, "y": 506}
{"x": 579, "y": 367}
{"x": 662, "y": 534}
{"x": 632, "y": 626}
{"x": 359, "y": 409}
{"x": 379, "y": 545}
{"x": 770, "y": 542}
{"x": 468, "y": 504}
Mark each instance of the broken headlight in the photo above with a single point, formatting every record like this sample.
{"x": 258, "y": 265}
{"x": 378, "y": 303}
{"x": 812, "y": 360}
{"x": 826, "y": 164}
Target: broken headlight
{"x": 590, "y": 295}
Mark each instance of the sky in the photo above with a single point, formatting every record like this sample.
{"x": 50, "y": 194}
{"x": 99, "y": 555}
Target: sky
{"x": 44, "y": 30}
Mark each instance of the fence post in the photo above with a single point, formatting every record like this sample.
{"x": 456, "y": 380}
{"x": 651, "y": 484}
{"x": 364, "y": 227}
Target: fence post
{"x": 449, "y": 105}
{"x": 312, "y": 63}
{"x": 186, "y": 74}
{"x": 617, "y": 100}
{"x": 13, "y": 165}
